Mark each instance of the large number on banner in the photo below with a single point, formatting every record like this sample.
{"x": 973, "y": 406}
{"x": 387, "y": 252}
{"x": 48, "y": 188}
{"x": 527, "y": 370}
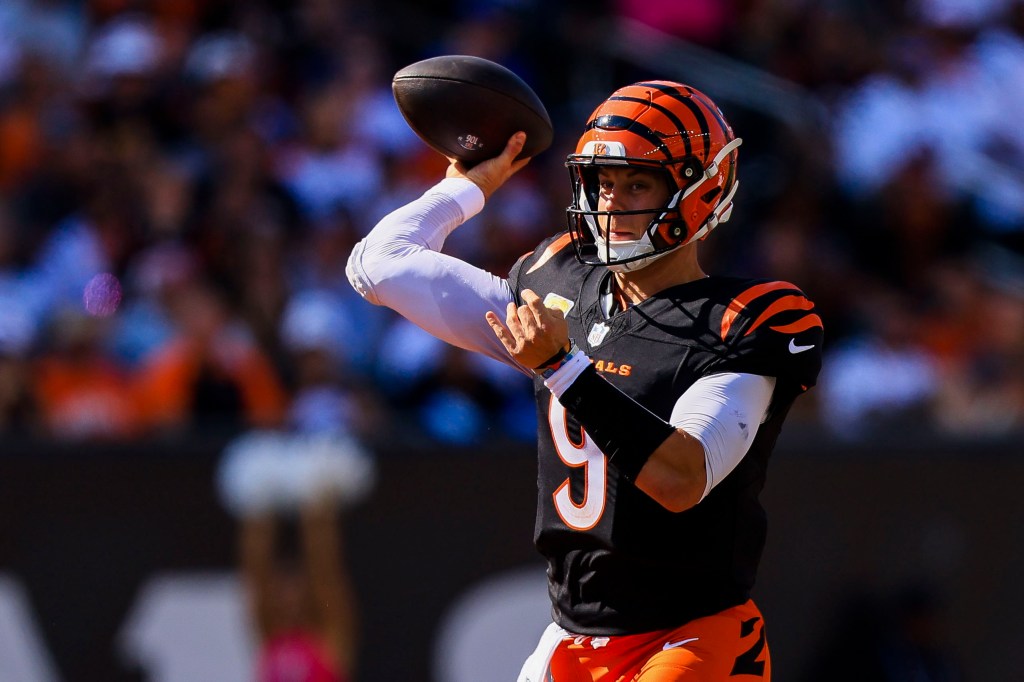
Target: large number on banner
{"x": 576, "y": 453}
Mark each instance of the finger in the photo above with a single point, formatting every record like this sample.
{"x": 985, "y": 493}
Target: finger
{"x": 540, "y": 310}
{"x": 528, "y": 311}
{"x": 500, "y": 331}
{"x": 536, "y": 306}
{"x": 515, "y": 327}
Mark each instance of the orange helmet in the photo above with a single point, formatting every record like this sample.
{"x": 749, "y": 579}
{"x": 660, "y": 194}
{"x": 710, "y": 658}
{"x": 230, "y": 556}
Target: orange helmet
{"x": 661, "y": 125}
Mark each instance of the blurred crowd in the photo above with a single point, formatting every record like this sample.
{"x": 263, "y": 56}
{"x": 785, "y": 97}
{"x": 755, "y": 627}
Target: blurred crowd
{"x": 181, "y": 182}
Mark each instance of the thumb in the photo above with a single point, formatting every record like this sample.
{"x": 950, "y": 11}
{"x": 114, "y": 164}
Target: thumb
{"x": 514, "y": 145}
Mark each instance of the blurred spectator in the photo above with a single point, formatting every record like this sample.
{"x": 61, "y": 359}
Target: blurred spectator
{"x": 318, "y": 270}
{"x": 366, "y": 84}
{"x": 210, "y": 375}
{"x": 944, "y": 97}
{"x": 81, "y": 392}
{"x": 17, "y": 404}
{"x": 1000, "y": 54}
{"x": 144, "y": 322}
{"x": 21, "y": 122}
{"x": 982, "y": 391}
{"x": 327, "y": 397}
{"x": 237, "y": 202}
{"x": 53, "y": 29}
{"x": 881, "y": 376}
{"x": 301, "y": 598}
{"x": 451, "y": 396}
{"x": 223, "y": 70}
{"x": 288, "y": 493}
{"x": 330, "y": 168}
{"x": 908, "y": 225}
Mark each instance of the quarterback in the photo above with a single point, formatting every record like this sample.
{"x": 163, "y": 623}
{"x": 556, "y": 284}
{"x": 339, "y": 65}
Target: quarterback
{"x": 660, "y": 389}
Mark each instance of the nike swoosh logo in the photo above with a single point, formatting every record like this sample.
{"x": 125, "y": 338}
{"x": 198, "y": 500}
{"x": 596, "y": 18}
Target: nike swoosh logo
{"x": 794, "y": 349}
{"x": 673, "y": 645}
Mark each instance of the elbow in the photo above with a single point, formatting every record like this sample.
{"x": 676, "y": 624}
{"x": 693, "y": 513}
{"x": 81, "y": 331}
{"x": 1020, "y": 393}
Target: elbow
{"x": 680, "y": 501}
{"x": 675, "y": 493}
{"x": 675, "y": 476}
{"x": 359, "y": 275}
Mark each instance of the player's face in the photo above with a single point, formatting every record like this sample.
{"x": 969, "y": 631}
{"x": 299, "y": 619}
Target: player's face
{"x": 629, "y": 189}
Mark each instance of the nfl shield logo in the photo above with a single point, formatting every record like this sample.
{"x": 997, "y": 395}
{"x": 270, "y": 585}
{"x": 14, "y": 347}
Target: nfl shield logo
{"x": 597, "y": 334}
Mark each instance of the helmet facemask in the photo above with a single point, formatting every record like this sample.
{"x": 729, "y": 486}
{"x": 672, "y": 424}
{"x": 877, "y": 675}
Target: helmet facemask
{"x": 588, "y": 225}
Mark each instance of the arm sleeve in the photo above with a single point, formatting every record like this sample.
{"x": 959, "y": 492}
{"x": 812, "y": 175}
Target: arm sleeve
{"x": 399, "y": 265}
{"x": 723, "y": 412}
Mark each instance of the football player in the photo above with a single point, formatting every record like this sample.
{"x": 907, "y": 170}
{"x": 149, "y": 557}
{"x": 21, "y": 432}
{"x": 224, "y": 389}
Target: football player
{"x": 661, "y": 389}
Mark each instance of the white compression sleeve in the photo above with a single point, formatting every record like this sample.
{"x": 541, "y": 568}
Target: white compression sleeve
{"x": 723, "y": 412}
{"x": 399, "y": 265}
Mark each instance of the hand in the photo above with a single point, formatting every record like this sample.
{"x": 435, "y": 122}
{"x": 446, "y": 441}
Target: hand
{"x": 491, "y": 174}
{"x": 534, "y": 332}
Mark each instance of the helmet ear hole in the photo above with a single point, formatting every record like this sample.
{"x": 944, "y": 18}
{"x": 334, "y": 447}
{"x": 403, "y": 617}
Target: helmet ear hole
{"x": 707, "y": 197}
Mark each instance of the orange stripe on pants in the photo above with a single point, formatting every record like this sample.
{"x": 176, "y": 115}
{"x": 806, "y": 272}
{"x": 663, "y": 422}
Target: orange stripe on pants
{"x": 728, "y": 646}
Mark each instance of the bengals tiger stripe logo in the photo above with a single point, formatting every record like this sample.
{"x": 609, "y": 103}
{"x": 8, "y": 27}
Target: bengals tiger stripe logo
{"x": 794, "y": 302}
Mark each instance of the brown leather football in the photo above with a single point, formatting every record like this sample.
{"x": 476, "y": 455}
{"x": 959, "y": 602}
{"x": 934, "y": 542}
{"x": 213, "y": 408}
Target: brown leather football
{"x": 467, "y": 107}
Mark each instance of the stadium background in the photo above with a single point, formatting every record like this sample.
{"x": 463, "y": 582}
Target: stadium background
{"x": 177, "y": 173}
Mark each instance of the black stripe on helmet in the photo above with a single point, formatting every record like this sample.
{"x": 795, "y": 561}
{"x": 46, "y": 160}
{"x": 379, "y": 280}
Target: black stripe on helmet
{"x": 713, "y": 108}
{"x": 668, "y": 114}
{"x": 685, "y": 100}
{"x": 625, "y": 123}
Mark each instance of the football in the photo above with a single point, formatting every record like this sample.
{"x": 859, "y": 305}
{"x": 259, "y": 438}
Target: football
{"x": 467, "y": 107}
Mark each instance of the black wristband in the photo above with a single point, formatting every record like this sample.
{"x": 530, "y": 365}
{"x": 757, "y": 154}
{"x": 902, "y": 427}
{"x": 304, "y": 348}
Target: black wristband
{"x": 625, "y": 431}
{"x": 555, "y": 360}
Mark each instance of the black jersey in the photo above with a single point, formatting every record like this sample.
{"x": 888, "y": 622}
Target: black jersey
{"x": 618, "y": 562}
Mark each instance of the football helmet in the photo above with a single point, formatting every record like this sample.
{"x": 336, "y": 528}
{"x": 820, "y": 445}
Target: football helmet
{"x": 661, "y": 125}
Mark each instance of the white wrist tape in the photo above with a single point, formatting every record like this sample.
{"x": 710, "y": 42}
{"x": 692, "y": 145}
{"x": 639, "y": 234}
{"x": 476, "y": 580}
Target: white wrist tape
{"x": 559, "y": 382}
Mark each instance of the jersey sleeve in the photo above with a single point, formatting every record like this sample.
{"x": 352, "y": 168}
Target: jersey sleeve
{"x": 772, "y": 329}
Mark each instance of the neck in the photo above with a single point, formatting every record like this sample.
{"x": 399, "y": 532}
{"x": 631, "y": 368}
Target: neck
{"x": 678, "y": 267}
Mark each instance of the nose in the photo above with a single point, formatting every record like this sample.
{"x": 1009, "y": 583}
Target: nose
{"x": 607, "y": 200}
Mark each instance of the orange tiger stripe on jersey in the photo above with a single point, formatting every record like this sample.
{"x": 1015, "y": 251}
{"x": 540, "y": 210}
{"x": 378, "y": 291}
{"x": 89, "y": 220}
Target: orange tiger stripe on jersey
{"x": 740, "y": 302}
{"x": 553, "y": 248}
{"x": 780, "y": 306}
{"x": 803, "y": 324}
